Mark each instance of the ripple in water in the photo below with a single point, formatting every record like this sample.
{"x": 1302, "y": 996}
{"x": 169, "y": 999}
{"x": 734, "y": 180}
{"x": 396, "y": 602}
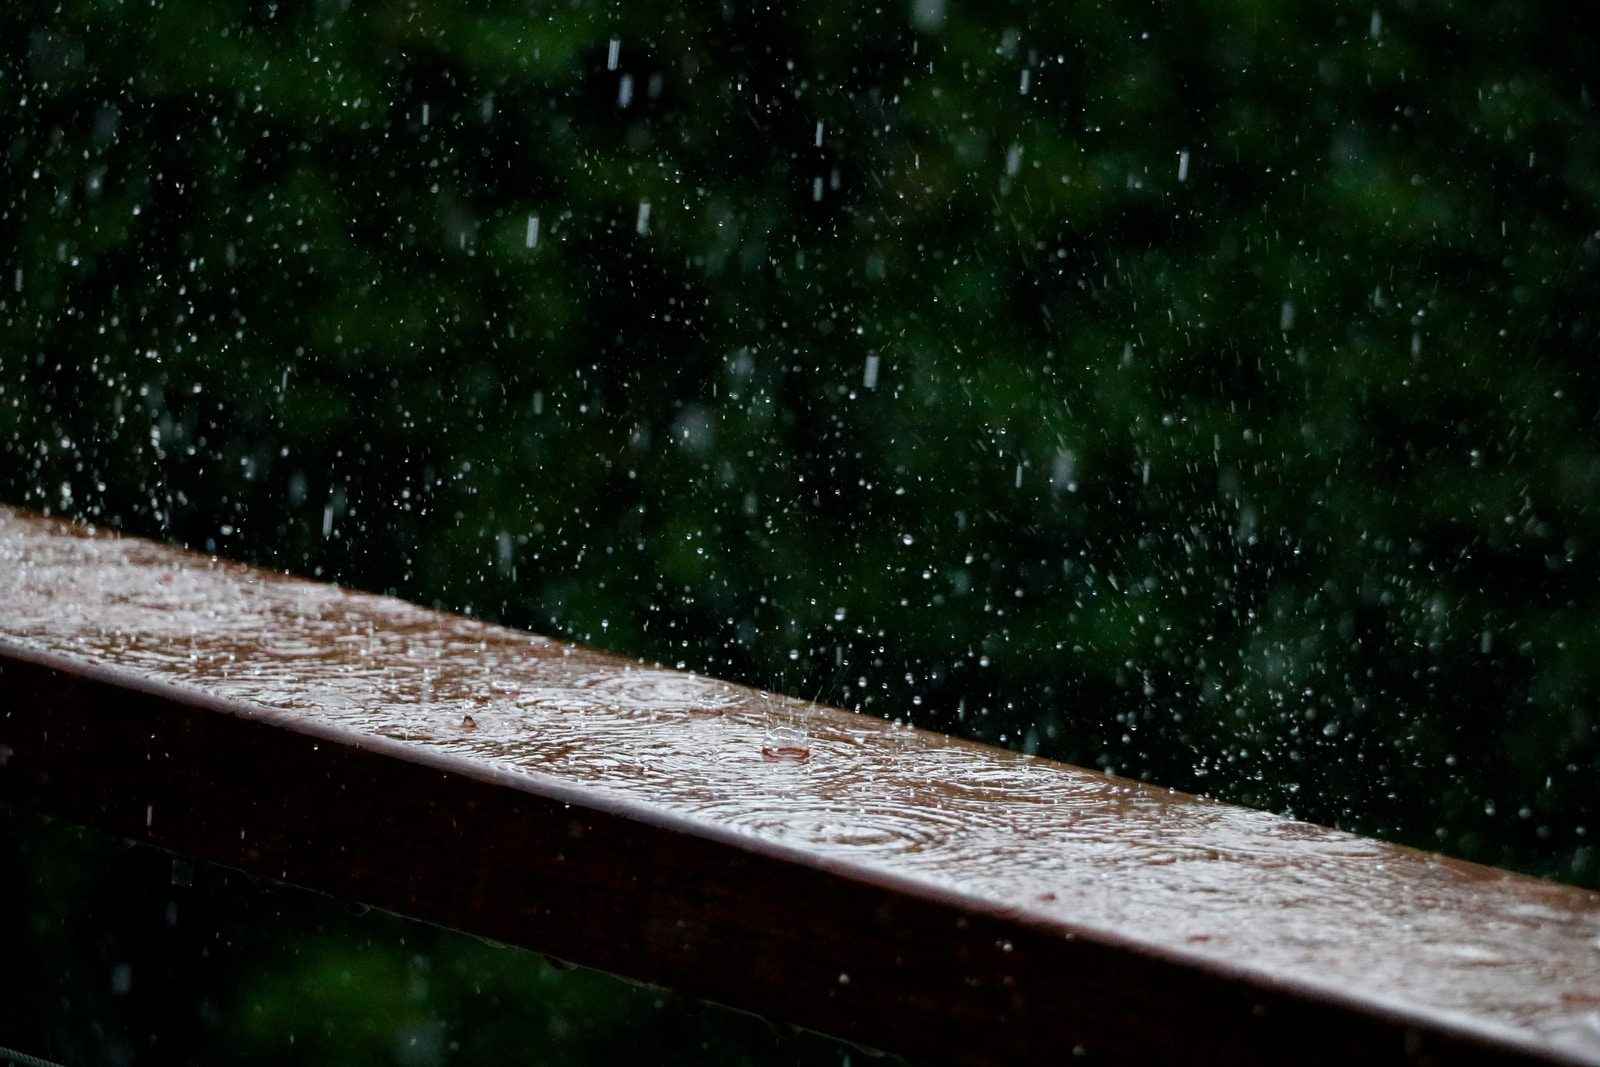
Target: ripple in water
{"x": 872, "y": 829}
{"x": 656, "y": 691}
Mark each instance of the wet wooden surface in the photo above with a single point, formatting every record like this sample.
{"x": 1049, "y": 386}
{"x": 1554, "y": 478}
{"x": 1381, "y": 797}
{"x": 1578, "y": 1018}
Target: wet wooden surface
{"x": 900, "y": 888}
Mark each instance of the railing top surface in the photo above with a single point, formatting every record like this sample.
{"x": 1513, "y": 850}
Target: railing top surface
{"x": 1053, "y": 846}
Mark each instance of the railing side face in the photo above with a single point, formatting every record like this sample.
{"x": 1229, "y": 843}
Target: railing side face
{"x": 896, "y": 888}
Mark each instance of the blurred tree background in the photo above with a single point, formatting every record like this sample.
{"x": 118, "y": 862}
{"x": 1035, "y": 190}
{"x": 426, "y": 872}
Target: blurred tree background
{"x": 1206, "y": 393}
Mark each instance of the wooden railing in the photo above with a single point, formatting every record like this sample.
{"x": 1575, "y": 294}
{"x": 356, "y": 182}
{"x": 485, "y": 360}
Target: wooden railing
{"x": 903, "y": 889}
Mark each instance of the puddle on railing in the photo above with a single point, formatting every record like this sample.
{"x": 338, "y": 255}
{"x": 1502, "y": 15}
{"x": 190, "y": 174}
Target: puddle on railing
{"x": 1263, "y": 893}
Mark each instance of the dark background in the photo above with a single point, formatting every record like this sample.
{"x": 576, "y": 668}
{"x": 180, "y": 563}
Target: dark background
{"x": 1207, "y": 393}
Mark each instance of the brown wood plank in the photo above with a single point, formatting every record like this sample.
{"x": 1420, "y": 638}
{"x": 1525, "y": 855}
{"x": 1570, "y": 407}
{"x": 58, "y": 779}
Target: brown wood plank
{"x": 900, "y": 888}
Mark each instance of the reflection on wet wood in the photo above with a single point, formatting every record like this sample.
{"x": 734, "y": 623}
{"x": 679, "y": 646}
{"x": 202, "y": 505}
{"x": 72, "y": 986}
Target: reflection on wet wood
{"x": 907, "y": 890}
